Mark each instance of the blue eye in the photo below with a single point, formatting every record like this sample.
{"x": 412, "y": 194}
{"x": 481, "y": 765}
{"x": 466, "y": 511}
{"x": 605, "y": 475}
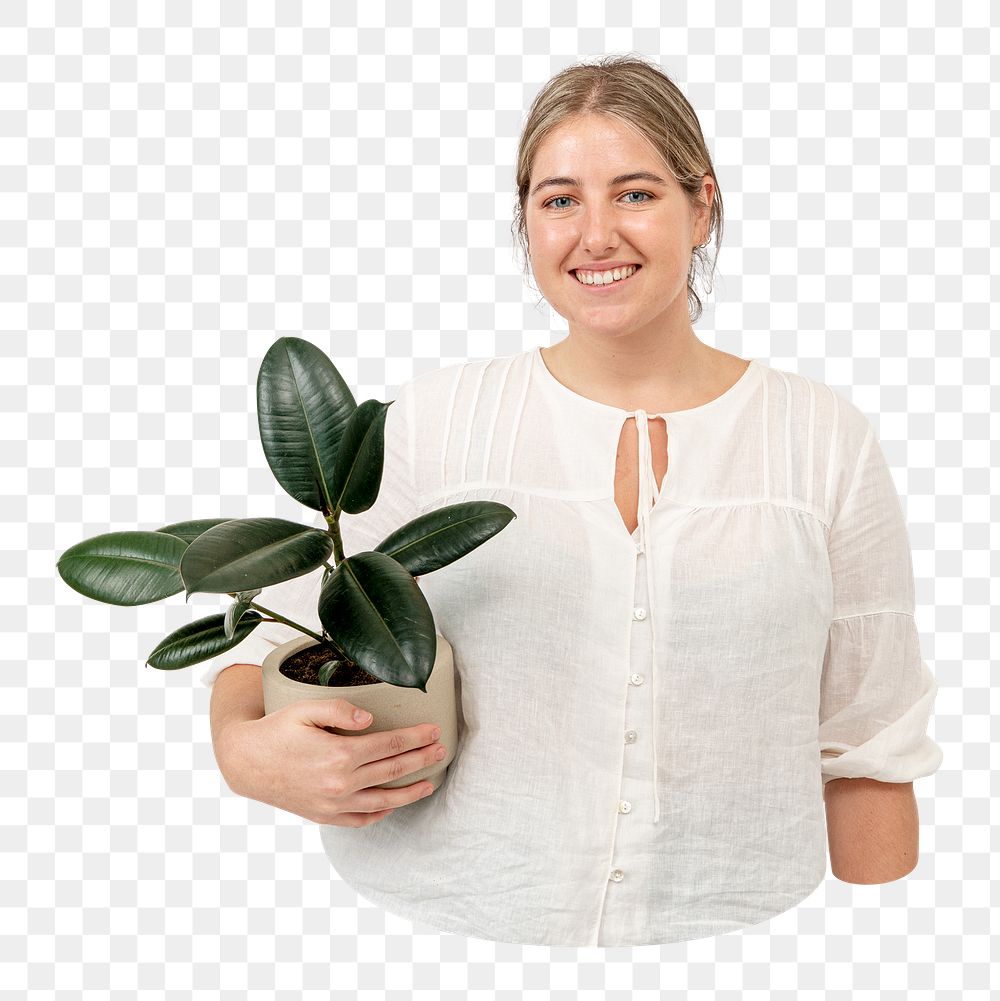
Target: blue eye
{"x": 648, "y": 197}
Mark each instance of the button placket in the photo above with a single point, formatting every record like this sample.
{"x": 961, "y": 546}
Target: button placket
{"x": 635, "y": 678}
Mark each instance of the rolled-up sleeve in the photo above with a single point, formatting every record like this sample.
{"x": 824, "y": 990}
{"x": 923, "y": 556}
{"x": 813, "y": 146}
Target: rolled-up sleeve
{"x": 298, "y": 599}
{"x": 876, "y": 693}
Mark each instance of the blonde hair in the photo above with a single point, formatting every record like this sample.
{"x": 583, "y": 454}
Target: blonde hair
{"x": 641, "y": 96}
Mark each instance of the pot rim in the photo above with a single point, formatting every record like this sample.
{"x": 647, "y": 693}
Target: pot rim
{"x": 303, "y": 643}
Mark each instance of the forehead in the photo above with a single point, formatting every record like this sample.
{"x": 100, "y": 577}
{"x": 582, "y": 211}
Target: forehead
{"x": 607, "y": 141}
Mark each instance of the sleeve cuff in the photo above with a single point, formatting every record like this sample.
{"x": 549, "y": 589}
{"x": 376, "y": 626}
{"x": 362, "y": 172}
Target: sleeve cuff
{"x": 900, "y": 752}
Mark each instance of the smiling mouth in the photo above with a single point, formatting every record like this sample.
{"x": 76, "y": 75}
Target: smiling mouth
{"x": 605, "y": 286}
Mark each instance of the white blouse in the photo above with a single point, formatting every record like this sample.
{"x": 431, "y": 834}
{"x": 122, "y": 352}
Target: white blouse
{"x": 646, "y": 720}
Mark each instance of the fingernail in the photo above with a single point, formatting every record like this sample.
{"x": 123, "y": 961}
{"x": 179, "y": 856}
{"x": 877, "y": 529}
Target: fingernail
{"x": 360, "y": 715}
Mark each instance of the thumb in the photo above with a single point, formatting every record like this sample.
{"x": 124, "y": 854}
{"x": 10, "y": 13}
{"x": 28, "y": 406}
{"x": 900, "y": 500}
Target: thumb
{"x": 334, "y": 712}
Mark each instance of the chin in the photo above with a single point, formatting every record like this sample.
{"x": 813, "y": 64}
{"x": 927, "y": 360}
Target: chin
{"x": 624, "y": 323}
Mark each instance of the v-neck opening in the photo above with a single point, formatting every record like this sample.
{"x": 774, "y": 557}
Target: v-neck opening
{"x": 656, "y": 488}
{"x": 673, "y": 419}
{"x": 648, "y": 492}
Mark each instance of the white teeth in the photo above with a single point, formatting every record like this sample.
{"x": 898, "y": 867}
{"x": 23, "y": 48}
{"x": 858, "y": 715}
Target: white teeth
{"x": 604, "y": 277}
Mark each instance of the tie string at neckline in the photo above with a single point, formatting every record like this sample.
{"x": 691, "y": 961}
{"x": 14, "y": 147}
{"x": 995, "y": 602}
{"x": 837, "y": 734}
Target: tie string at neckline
{"x": 648, "y": 494}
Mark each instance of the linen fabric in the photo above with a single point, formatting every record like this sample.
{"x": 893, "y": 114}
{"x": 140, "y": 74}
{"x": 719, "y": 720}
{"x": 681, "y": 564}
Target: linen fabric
{"x": 646, "y": 719}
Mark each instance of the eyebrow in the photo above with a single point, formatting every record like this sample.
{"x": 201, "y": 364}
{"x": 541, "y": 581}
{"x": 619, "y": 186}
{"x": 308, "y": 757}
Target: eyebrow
{"x": 574, "y": 182}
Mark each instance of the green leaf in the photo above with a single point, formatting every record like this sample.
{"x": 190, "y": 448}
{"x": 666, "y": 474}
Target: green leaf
{"x": 247, "y": 553}
{"x": 200, "y": 640}
{"x": 328, "y": 670}
{"x": 303, "y": 409}
{"x": 125, "y": 568}
{"x": 440, "y": 537}
{"x": 190, "y": 530}
{"x": 357, "y": 473}
{"x": 374, "y": 611}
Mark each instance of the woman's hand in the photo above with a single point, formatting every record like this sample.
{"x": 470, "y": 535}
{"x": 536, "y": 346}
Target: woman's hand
{"x": 288, "y": 760}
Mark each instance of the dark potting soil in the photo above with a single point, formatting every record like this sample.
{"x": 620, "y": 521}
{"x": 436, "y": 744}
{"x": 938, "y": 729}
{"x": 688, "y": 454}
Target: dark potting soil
{"x": 304, "y": 667}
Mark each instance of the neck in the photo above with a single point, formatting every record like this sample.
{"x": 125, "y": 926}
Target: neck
{"x": 657, "y": 376}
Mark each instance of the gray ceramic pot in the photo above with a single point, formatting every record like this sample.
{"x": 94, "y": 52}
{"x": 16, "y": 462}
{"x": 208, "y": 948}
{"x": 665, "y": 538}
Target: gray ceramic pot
{"x": 391, "y": 706}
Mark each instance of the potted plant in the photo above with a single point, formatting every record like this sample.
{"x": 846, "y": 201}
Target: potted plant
{"x": 378, "y": 631}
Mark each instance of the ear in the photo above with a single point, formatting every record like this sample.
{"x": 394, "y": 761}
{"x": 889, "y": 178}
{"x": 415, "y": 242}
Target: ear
{"x": 705, "y": 209}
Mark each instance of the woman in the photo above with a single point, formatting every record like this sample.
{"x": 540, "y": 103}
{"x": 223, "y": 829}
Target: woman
{"x": 665, "y": 665}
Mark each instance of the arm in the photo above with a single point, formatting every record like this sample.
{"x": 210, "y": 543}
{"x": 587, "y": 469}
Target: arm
{"x": 876, "y": 692}
{"x": 237, "y": 696}
{"x": 872, "y": 829}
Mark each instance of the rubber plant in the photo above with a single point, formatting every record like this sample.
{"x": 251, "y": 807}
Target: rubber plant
{"x": 328, "y": 452}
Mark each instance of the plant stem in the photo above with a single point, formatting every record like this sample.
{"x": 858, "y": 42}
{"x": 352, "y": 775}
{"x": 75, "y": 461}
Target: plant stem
{"x": 333, "y": 520}
{"x": 288, "y": 622}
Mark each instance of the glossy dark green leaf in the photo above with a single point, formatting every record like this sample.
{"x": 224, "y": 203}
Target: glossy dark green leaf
{"x": 303, "y": 408}
{"x": 190, "y": 530}
{"x": 200, "y": 640}
{"x": 375, "y": 612}
{"x": 440, "y": 537}
{"x": 357, "y": 473}
{"x": 247, "y": 553}
{"x": 125, "y": 568}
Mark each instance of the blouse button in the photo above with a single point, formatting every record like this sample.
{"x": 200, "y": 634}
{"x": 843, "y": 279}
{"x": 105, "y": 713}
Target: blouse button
{"x": 636, "y": 679}
{"x": 630, "y": 736}
{"x": 639, "y": 613}
{"x": 617, "y": 875}
{"x": 624, "y": 806}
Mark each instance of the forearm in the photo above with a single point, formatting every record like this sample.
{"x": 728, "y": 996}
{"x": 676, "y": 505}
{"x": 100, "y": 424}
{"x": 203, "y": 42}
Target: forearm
{"x": 872, "y": 829}
{"x": 237, "y": 696}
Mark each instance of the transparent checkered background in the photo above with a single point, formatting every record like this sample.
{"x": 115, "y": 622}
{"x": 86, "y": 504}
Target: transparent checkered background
{"x": 177, "y": 192}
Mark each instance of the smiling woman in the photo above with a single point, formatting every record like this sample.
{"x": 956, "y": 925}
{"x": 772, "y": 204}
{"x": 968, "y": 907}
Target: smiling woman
{"x": 661, "y": 666}
{"x": 615, "y": 260}
{"x": 617, "y": 197}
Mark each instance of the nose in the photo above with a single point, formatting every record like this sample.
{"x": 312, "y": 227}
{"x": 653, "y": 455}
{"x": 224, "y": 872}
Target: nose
{"x": 598, "y": 229}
